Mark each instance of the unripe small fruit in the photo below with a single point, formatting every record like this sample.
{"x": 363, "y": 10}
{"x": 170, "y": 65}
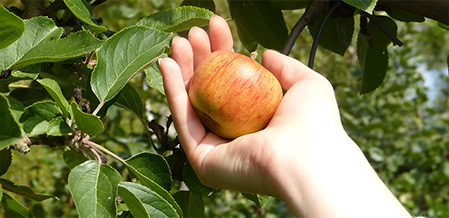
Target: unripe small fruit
{"x": 233, "y": 95}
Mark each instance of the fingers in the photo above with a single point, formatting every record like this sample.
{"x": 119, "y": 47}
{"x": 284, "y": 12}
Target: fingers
{"x": 220, "y": 34}
{"x": 286, "y": 69}
{"x": 199, "y": 40}
{"x": 191, "y": 131}
{"x": 183, "y": 55}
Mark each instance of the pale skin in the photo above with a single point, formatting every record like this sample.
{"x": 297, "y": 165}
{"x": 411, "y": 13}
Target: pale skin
{"x": 303, "y": 157}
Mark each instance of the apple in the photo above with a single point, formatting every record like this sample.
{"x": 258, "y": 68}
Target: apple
{"x": 233, "y": 95}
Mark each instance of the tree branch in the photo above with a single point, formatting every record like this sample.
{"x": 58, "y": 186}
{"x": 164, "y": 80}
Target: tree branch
{"x": 314, "y": 9}
{"x": 318, "y": 34}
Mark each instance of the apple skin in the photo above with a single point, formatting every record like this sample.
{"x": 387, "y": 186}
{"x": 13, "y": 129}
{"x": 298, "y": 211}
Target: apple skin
{"x": 233, "y": 95}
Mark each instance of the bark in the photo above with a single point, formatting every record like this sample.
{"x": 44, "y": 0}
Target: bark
{"x": 435, "y": 9}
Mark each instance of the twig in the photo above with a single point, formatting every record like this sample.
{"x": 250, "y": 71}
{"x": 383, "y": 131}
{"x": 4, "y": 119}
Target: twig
{"x": 103, "y": 149}
{"x": 320, "y": 30}
{"x": 382, "y": 27}
{"x": 314, "y": 9}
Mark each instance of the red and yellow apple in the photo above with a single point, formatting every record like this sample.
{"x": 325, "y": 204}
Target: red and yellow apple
{"x": 233, "y": 95}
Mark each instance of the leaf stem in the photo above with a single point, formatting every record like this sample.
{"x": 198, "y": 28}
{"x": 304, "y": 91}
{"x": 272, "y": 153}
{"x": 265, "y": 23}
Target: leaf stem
{"x": 382, "y": 27}
{"x": 98, "y": 108}
{"x": 320, "y": 30}
{"x": 103, "y": 149}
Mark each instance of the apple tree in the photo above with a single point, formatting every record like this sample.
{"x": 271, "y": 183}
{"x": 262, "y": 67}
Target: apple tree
{"x": 80, "y": 89}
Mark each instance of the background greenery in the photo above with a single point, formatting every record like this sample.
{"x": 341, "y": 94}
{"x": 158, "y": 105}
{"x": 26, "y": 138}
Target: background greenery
{"x": 401, "y": 127}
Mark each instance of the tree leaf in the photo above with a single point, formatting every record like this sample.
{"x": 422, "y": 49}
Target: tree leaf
{"x": 374, "y": 63}
{"x": 83, "y": 11}
{"x": 152, "y": 166}
{"x": 122, "y": 56}
{"x": 55, "y": 92}
{"x": 94, "y": 189}
{"x": 40, "y": 43}
{"x": 73, "y": 158}
{"x": 178, "y": 19}
{"x": 191, "y": 204}
{"x": 372, "y": 53}
{"x": 10, "y": 131}
{"x": 244, "y": 34}
{"x": 263, "y": 21}
{"x": 207, "y": 4}
{"x": 11, "y": 27}
{"x": 336, "y": 35}
{"x": 153, "y": 76}
{"x": 58, "y": 127}
{"x": 364, "y": 5}
{"x": 13, "y": 208}
{"x": 5, "y": 161}
{"x": 129, "y": 98}
{"x": 23, "y": 190}
{"x": 193, "y": 183}
{"x": 259, "y": 200}
{"x": 38, "y": 119}
{"x": 149, "y": 183}
{"x": 143, "y": 202}
{"x": 88, "y": 123}
{"x": 404, "y": 16}
{"x": 16, "y": 107}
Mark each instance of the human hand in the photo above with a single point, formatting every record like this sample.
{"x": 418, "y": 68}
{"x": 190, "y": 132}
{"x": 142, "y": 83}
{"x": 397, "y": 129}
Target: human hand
{"x": 303, "y": 156}
{"x": 245, "y": 164}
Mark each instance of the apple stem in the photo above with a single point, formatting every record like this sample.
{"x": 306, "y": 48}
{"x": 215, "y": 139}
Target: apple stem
{"x": 254, "y": 55}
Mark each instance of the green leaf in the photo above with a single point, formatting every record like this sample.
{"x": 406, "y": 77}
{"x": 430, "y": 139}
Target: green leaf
{"x": 11, "y": 27}
{"x": 55, "y": 92}
{"x": 404, "y": 16}
{"x": 364, "y": 5}
{"x": 129, "y": 98}
{"x": 193, "y": 183}
{"x": 5, "y": 160}
{"x": 10, "y": 131}
{"x": 336, "y": 35}
{"x": 41, "y": 118}
{"x": 23, "y": 190}
{"x": 16, "y": 107}
{"x": 149, "y": 183}
{"x": 444, "y": 26}
{"x": 58, "y": 127}
{"x": 244, "y": 34}
{"x": 374, "y": 63}
{"x": 152, "y": 166}
{"x": 73, "y": 158}
{"x": 207, "y": 4}
{"x": 153, "y": 76}
{"x": 261, "y": 20}
{"x": 191, "y": 204}
{"x": 83, "y": 11}
{"x": 122, "y": 56}
{"x": 372, "y": 53}
{"x": 143, "y": 202}
{"x": 259, "y": 200}
{"x": 94, "y": 189}
{"x": 13, "y": 208}
{"x": 179, "y": 19}
{"x": 88, "y": 123}
{"x": 40, "y": 43}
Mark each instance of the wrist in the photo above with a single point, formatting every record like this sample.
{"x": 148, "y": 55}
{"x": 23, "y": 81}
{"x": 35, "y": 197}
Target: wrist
{"x": 330, "y": 177}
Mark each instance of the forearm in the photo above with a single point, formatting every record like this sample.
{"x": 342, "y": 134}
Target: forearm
{"x": 336, "y": 180}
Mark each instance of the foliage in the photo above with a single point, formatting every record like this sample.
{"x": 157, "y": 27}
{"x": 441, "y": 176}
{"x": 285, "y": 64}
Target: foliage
{"x": 81, "y": 77}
